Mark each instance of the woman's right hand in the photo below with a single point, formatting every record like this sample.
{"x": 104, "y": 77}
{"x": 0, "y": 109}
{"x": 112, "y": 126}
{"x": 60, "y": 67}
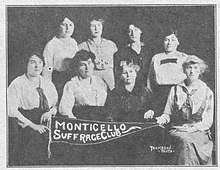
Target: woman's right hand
{"x": 161, "y": 120}
{"x": 40, "y": 128}
{"x": 149, "y": 114}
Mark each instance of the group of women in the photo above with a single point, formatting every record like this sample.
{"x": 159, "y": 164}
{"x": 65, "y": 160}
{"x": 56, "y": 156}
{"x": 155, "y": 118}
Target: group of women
{"x": 126, "y": 85}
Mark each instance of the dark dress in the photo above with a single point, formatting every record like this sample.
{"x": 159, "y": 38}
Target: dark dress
{"x": 125, "y": 106}
{"x": 142, "y": 59}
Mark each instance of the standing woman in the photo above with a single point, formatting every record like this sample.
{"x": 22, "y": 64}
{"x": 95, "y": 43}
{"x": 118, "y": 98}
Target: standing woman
{"x": 189, "y": 109}
{"x": 32, "y": 101}
{"x": 136, "y": 51}
{"x": 165, "y": 70}
{"x": 58, "y": 54}
{"x": 103, "y": 49}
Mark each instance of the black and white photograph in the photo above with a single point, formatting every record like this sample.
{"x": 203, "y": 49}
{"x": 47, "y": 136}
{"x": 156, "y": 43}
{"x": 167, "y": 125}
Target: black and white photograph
{"x": 115, "y": 85}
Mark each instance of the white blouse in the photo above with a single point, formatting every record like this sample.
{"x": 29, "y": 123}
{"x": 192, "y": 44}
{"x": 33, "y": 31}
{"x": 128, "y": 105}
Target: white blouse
{"x": 203, "y": 92}
{"x": 166, "y": 69}
{"x": 77, "y": 94}
{"x": 23, "y": 94}
{"x": 56, "y": 52}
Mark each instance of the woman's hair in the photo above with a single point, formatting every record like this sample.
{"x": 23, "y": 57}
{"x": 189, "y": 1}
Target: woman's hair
{"x": 192, "y": 59}
{"x": 57, "y": 22}
{"x": 82, "y": 55}
{"x": 169, "y": 31}
{"x": 31, "y": 53}
{"x": 136, "y": 24}
{"x": 97, "y": 19}
{"x": 128, "y": 63}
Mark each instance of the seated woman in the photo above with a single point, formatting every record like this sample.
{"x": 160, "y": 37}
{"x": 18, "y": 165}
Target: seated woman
{"x": 129, "y": 101}
{"x": 189, "y": 109}
{"x": 58, "y": 54}
{"x": 83, "y": 91}
{"x": 32, "y": 101}
{"x": 83, "y": 98}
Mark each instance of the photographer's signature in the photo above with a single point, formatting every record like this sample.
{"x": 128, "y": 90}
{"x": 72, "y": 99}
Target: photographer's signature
{"x": 162, "y": 149}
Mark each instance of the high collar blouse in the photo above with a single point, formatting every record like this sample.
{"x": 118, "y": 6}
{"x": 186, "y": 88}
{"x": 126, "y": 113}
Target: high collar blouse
{"x": 23, "y": 94}
{"x": 202, "y": 97}
{"x": 77, "y": 94}
{"x": 56, "y": 54}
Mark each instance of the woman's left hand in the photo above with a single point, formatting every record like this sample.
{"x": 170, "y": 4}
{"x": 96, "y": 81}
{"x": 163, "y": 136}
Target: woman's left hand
{"x": 46, "y": 116}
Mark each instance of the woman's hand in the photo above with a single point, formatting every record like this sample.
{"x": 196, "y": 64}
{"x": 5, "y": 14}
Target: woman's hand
{"x": 163, "y": 119}
{"x": 72, "y": 116}
{"x": 40, "y": 128}
{"x": 46, "y": 117}
{"x": 149, "y": 114}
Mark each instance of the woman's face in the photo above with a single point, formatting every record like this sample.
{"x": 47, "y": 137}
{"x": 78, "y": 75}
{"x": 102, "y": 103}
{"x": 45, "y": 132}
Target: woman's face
{"x": 96, "y": 28}
{"x": 192, "y": 71}
{"x": 35, "y": 66}
{"x": 128, "y": 75}
{"x": 86, "y": 68}
{"x": 171, "y": 43}
{"x": 134, "y": 33}
{"x": 66, "y": 28}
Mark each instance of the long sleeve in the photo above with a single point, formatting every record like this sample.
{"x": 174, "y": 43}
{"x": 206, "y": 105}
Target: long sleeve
{"x": 168, "y": 110}
{"x": 207, "y": 117}
{"x": 151, "y": 76}
{"x": 111, "y": 107}
{"x": 148, "y": 103}
{"x": 48, "y": 57}
{"x": 14, "y": 104}
{"x": 67, "y": 101}
{"x": 114, "y": 47}
{"x": 53, "y": 97}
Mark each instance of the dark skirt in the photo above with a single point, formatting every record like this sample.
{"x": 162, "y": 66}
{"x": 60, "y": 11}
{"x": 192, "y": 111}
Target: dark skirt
{"x": 97, "y": 113}
{"x": 27, "y": 146}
